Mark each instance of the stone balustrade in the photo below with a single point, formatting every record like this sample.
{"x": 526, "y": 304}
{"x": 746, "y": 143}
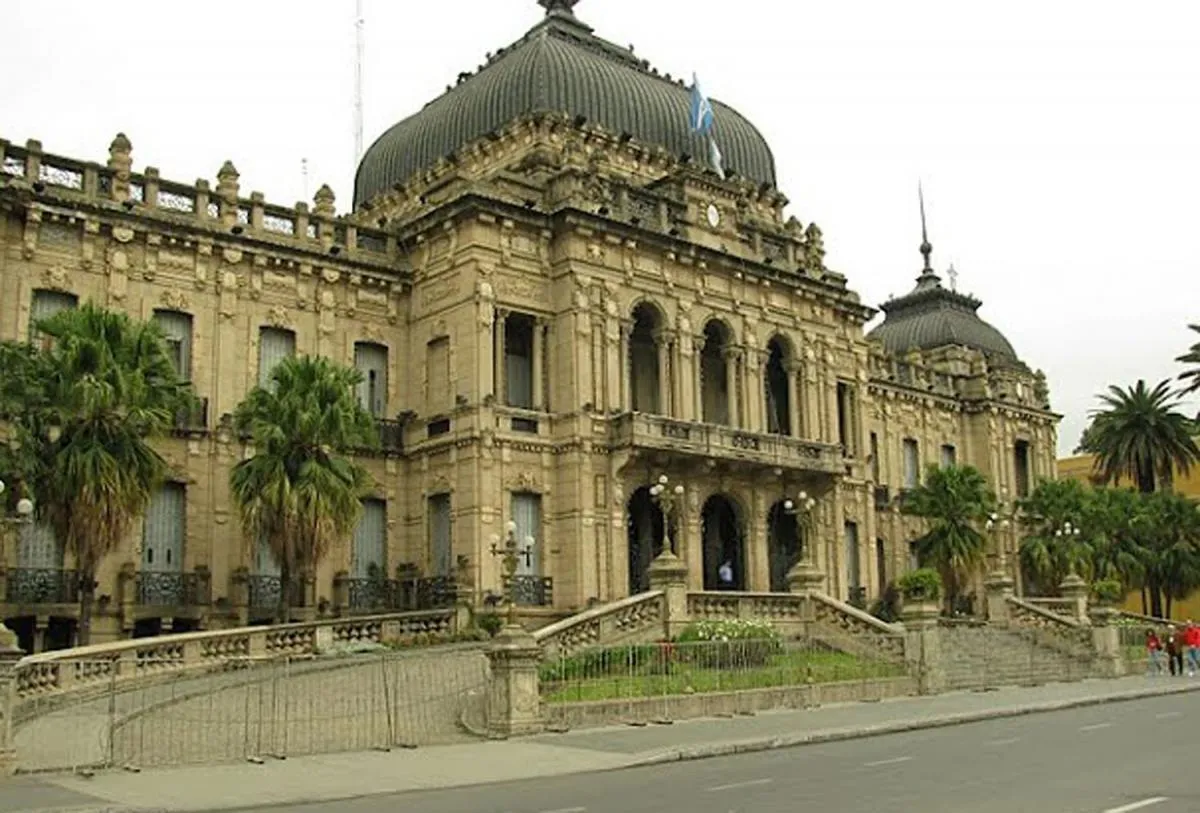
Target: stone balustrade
{"x": 638, "y": 617}
{"x": 1066, "y": 634}
{"x": 99, "y": 666}
{"x": 220, "y": 209}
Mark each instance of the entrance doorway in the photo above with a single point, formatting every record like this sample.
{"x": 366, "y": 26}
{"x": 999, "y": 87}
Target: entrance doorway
{"x": 724, "y": 544}
{"x": 645, "y": 523}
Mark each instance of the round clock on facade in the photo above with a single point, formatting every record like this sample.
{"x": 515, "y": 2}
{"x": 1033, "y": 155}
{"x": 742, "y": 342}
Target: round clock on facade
{"x": 714, "y": 215}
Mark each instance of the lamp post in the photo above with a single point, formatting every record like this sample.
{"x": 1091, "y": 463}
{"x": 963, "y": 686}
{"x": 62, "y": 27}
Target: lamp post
{"x": 997, "y": 524}
{"x": 24, "y": 516}
{"x": 510, "y": 554}
{"x": 804, "y": 576}
{"x": 669, "y": 500}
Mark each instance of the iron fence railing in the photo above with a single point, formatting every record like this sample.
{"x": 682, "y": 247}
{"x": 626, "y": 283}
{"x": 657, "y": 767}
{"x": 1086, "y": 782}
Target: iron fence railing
{"x": 171, "y": 589}
{"x": 530, "y": 591}
{"x": 41, "y": 586}
{"x": 425, "y": 593}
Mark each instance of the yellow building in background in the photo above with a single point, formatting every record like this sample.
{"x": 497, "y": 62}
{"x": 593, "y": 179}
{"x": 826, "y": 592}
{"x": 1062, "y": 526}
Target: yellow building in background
{"x": 1082, "y": 467}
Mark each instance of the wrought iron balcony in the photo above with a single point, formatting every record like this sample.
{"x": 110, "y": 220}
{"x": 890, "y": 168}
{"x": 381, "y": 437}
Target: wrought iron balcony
{"x": 391, "y": 435}
{"x": 401, "y": 595}
{"x": 42, "y": 586}
{"x": 171, "y": 589}
{"x": 192, "y": 420}
{"x": 640, "y": 431}
{"x": 530, "y": 591}
{"x": 883, "y": 497}
{"x": 263, "y": 592}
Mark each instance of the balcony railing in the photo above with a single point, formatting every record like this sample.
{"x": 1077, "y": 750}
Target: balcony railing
{"x": 171, "y": 589}
{"x": 883, "y": 497}
{"x": 193, "y": 419}
{"x": 401, "y": 595}
{"x": 391, "y": 436}
{"x": 709, "y": 440}
{"x": 41, "y": 586}
{"x": 531, "y": 591}
{"x": 264, "y": 591}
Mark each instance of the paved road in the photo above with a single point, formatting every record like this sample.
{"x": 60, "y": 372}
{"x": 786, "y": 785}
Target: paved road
{"x": 1106, "y": 759}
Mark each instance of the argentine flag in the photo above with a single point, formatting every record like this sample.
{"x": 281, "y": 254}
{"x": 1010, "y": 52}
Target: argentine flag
{"x": 702, "y": 122}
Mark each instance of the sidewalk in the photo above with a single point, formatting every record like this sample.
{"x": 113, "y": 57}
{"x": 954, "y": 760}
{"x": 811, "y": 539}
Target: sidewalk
{"x": 342, "y": 776}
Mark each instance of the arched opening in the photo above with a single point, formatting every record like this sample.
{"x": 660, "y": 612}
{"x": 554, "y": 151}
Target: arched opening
{"x": 724, "y": 548}
{"x": 778, "y": 391}
{"x": 645, "y": 523}
{"x": 644, "y": 374}
{"x": 714, "y": 374}
{"x": 786, "y": 541}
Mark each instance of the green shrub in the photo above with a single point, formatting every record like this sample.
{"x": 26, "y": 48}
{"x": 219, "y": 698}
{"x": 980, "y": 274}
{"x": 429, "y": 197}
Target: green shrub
{"x": 1108, "y": 591}
{"x": 491, "y": 623}
{"x": 728, "y": 643}
{"x": 608, "y": 662}
{"x": 922, "y": 584}
{"x": 887, "y": 608}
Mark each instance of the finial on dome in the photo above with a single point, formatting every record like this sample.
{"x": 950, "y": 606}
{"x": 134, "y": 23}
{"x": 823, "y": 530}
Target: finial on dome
{"x": 565, "y": 6}
{"x": 926, "y": 248}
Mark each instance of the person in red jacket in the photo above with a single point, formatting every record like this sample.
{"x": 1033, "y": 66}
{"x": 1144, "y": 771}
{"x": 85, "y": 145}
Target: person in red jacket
{"x": 1191, "y": 638}
{"x": 1154, "y": 651}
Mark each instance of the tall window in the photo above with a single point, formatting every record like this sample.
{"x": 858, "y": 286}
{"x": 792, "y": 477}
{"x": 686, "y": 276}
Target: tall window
{"x": 274, "y": 345}
{"x": 875, "y": 458}
{"x": 38, "y": 548}
{"x": 853, "y": 569}
{"x": 949, "y": 455}
{"x": 369, "y": 557}
{"x": 778, "y": 394}
{"x": 912, "y": 464}
{"x": 44, "y": 305}
{"x": 437, "y": 376}
{"x": 177, "y": 327}
{"x": 371, "y": 360}
{"x": 1021, "y": 467}
{"x": 527, "y": 514}
{"x": 441, "y": 545}
{"x": 518, "y": 360}
{"x": 165, "y": 529}
{"x": 847, "y": 415}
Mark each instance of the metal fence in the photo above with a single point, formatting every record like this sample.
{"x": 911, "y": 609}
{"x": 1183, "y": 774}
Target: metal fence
{"x": 665, "y": 681}
{"x": 252, "y": 709}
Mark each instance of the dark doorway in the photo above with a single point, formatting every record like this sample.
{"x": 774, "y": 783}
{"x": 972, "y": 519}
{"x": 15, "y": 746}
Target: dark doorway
{"x": 721, "y": 527}
{"x": 714, "y": 377}
{"x": 147, "y": 627}
{"x": 644, "y": 375}
{"x": 25, "y": 628}
{"x": 786, "y": 545}
{"x": 645, "y": 538}
{"x": 778, "y": 392}
{"x": 60, "y": 634}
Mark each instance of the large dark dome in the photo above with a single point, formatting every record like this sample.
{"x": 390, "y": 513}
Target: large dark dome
{"x": 559, "y": 66}
{"x": 932, "y": 316}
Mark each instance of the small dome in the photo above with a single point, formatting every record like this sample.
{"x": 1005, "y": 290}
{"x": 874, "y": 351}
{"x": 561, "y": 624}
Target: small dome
{"x": 932, "y": 316}
{"x": 559, "y": 66}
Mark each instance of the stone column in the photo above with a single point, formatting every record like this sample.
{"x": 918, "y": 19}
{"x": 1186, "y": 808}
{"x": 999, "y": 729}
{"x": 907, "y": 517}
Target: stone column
{"x": 732, "y": 355}
{"x": 795, "y": 393}
{"x": 669, "y": 573}
{"x": 812, "y": 404}
{"x": 1075, "y": 590}
{"x": 923, "y": 646}
{"x": 626, "y": 367}
{"x": 999, "y": 587}
{"x": 662, "y": 343}
{"x": 498, "y": 377}
{"x": 698, "y": 378}
{"x": 539, "y": 364}
{"x": 677, "y": 378}
{"x": 514, "y": 701}
{"x": 10, "y": 653}
{"x": 1106, "y": 643}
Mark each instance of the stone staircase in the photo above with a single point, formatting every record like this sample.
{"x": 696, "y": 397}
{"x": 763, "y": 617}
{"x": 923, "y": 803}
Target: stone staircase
{"x": 977, "y": 656}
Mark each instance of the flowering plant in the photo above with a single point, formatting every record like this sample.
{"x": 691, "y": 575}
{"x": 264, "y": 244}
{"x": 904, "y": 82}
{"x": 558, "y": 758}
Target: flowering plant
{"x": 728, "y": 643}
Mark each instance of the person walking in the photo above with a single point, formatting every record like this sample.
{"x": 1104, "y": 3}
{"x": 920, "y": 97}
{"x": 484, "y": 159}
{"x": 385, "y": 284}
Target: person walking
{"x": 1191, "y": 639}
{"x": 1174, "y": 650}
{"x": 1154, "y": 652}
{"x": 725, "y": 575}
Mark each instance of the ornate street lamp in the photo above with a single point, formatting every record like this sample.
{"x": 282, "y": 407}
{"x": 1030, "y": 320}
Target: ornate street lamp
{"x": 510, "y": 554}
{"x": 997, "y": 524}
{"x": 804, "y": 574}
{"x": 670, "y": 502}
{"x": 24, "y": 516}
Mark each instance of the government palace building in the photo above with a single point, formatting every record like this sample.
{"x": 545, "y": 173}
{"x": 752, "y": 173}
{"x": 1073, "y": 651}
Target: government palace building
{"x": 554, "y": 300}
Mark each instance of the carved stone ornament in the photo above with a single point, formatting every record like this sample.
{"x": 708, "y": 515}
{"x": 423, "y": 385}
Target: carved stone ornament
{"x": 56, "y": 278}
{"x": 278, "y": 317}
{"x": 122, "y": 234}
{"x": 176, "y": 300}
{"x": 232, "y": 256}
{"x": 525, "y": 481}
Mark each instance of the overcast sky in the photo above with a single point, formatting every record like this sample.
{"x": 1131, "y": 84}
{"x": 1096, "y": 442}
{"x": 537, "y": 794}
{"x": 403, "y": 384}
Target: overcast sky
{"x": 1058, "y": 142}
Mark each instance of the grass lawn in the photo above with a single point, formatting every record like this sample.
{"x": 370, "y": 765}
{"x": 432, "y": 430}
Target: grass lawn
{"x": 788, "y": 668}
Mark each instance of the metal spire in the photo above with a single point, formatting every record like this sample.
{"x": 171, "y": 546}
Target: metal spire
{"x": 926, "y": 248}
{"x": 552, "y": 6}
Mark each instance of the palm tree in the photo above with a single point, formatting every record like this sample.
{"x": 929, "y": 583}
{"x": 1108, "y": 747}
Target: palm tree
{"x": 1192, "y": 357}
{"x": 1172, "y": 544}
{"x": 299, "y": 492}
{"x": 93, "y": 398}
{"x": 1047, "y": 555}
{"x": 956, "y": 501}
{"x": 1142, "y": 435}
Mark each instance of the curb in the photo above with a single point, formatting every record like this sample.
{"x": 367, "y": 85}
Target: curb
{"x": 898, "y": 727}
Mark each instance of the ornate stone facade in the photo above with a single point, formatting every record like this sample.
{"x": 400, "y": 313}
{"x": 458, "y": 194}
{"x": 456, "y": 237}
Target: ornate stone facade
{"x": 567, "y": 314}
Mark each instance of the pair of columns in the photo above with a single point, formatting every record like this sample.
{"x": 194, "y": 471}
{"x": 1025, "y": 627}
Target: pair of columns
{"x": 499, "y": 365}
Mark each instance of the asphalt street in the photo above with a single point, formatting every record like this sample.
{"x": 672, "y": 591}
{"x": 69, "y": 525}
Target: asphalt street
{"x": 1116, "y": 758}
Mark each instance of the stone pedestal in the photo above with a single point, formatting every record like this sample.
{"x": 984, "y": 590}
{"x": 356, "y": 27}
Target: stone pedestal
{"x": 923, "y": 645}
{"x": 999, "y": 588}
{"x": 669, "y": 573}
{"x": 1106, "y": 642}
{"x": 804, "y": 578}
{"x": 9, "y": 655}
{"x": 1075, "y": 590}
{"x": 514, "y": 701}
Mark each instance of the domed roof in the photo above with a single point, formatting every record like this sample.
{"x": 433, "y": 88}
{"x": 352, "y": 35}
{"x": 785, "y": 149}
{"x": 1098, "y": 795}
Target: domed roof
{"x": 932, "y": 316}
{"x": 559, "y": 66}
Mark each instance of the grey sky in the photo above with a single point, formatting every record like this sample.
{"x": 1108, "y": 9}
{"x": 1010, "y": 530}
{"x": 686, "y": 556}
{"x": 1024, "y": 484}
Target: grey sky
{"x": 1059, "y": 142}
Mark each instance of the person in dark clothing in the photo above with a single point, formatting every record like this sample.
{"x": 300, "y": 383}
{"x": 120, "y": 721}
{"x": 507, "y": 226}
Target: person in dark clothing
{"x": 1175, "y": 645}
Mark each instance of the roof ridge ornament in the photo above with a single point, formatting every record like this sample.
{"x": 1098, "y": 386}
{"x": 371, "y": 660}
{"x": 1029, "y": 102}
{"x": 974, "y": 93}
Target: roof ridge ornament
{"x": 565, "y": 6}
{"x": 926, "y": 248}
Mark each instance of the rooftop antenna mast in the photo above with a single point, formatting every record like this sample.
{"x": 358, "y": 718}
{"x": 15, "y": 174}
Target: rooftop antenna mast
{"x": 359, "y": 25}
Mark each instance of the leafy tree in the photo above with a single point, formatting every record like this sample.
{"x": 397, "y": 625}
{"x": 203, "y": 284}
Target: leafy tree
{"x": 299, "y": 491}
{"x": 1191, "y": 377}
{"x": 84, "y": 408}
{"x": 1114, "y": 519}
{"x": 1171, "y": 540}
{"x": 1047, "y": 554}
{"x": 956, "y": 502}
{"x": 1140, "y": 434}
